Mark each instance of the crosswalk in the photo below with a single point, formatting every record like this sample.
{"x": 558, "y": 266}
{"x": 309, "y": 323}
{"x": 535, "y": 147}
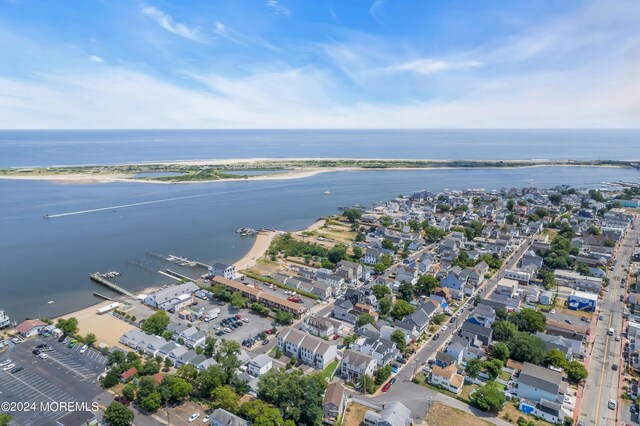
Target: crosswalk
{"x": 27, "y": 386}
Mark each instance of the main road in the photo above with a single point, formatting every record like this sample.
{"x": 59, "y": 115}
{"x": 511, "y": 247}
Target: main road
{"x": 603, "y": 382}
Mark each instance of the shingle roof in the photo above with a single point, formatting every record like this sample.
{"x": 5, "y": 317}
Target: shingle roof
{"x": 541, "y": 378}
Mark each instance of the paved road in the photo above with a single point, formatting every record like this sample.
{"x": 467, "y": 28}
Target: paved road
{"x": 602, "y": 384}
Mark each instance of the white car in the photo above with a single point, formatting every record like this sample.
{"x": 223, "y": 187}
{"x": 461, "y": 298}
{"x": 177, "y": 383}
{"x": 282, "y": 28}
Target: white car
{"x": 444, "y": 328}
{"x": 553, "y": 311}
{"x": 612, "y": 404}
{"x": 193, "y": 417}
{"x": 43, "y": 355}
{"x": 5, "y": 362}
{"x": 216, "y": 327}
{"x": 84, "y": 349}
{"x": 15, "y": 340}
{"x": 617, "y": 338}
{"x": 245, "y": 319}
{"x": 206, "y": 419}
{"x": 8, "y": 367}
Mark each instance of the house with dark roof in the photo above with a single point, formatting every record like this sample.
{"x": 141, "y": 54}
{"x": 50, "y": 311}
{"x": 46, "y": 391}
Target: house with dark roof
{"x": 469, "y": 330}
{"x": 545, "y": 409}
{"x": 536, "y": 383}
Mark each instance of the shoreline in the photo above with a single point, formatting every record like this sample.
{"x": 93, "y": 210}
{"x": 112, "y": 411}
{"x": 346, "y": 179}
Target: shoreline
{"x": 301, "y": 173}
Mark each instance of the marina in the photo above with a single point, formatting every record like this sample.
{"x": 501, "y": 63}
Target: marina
{"x": 97, "y": 277}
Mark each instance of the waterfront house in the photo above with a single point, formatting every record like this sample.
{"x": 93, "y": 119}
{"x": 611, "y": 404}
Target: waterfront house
{"x": 223, "y": 270}
{"x": 30, "y": 328}
{"x": 172, "y": 297}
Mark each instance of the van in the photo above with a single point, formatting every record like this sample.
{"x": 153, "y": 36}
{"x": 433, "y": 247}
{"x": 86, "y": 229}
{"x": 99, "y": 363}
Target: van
{"x": 610, "y": 332}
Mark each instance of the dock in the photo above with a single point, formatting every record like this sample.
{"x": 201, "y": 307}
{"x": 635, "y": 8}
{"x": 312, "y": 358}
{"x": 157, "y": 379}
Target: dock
{"x": 102, "y": 296}
{"x": 177, "y": 275}
{"x": 111, "y": 286}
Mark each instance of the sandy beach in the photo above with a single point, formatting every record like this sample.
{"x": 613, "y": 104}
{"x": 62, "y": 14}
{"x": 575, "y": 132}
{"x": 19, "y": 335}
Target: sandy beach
{"x": 107, "y": 328}
{"x": 260, "y": 247}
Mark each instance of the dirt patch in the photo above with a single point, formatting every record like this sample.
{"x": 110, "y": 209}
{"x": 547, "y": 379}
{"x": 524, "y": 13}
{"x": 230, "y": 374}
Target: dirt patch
{"x": 443, "y": 415}
{"x": 107, "y": 328}
{"x": 354, "y": 414}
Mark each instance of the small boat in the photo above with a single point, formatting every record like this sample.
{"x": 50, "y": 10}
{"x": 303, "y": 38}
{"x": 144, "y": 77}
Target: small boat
{"x": 5, "y": 321}
{"x": 46, "y": 216}
{"x": 327, "y": 192}
{"x": 49, "y": 302}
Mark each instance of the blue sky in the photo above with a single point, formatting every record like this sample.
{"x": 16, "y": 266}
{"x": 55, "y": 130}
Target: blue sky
{"x": 319, "y": 64}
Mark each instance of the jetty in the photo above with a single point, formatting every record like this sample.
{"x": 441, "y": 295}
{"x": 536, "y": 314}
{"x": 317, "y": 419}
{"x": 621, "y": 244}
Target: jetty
{"x": 97, "y": 277}
{"x": 102, "y": 296}
{"x": 177, "y": 275}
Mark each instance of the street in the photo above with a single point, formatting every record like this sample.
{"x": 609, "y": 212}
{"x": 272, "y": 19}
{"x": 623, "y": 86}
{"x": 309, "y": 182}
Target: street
{"x": 603, "y": 382}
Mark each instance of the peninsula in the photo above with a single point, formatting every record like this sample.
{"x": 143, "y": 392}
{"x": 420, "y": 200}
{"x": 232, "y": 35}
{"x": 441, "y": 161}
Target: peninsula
{"x": 264, "y": 168}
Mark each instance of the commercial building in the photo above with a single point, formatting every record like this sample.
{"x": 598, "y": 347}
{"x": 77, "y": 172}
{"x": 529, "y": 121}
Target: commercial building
{"x": 582, "y": 301}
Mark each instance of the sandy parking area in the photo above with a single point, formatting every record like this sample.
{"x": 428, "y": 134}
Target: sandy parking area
{"x": 106, "y": 328}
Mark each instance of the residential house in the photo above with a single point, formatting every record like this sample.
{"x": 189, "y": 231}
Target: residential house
{"x": 536, "y": 383}
{"x": 550, "y": 411}
{"x": 309, "y": 349}
{"x": 333, "y": 401}
{"x": 393, "y": 414}
{"x": 221, "y": 417}
{"x": 447, "y": 377}
{"x": 259, "y": 365}
{"x": 355, "y": 364}
{"x": 319, "y": 326}
{"x": 30, "y": 327}
{"x": 469, "y": 330}
{"x": 382, "y": 350}
{"x": 343, "y": 310}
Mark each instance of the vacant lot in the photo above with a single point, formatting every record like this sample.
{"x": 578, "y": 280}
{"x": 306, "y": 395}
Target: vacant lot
{"x": 354, "y": 414}
{"x": 442, "y": 415}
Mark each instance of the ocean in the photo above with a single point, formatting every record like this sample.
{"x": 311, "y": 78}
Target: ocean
{"x": 50, "y": 260}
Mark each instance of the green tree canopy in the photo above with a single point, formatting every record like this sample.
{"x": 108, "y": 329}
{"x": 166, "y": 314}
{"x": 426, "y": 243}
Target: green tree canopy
{"x": 352, "y": 215}
{"x": 489, "y": 397}
{"x": 503, "y": 330}
{"x": 117, "y": 414}
{"x": 401, "y": 309}
{"x": 525, "y": 347}
{"x": 156, "y": 323}
{"x": 365, "y": 319}
{"x": 500, "y": 351}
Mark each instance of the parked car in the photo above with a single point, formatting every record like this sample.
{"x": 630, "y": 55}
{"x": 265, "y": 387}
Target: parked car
{"x": 612, "y": 404}
{"x": 17, "y": 369}
{"x": 84, "y": 349}
{"x": 35, "y": 352}
{"x": 614, "y": 367}
{"x": 193, "y": 417}
{"x": 41, "y": 345}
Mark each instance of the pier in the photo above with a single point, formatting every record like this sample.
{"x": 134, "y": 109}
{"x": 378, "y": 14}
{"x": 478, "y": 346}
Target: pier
{"x": 111, "y": 286}
{"x": 177, "y": 275}
{"x": 102, "y": 296}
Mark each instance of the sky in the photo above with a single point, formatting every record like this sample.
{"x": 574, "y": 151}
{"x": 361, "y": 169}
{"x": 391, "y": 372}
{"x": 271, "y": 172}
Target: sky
{"x": 154, "y": 64}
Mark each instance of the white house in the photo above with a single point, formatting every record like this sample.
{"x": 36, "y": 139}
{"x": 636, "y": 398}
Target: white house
{"x": 259, "y": 365}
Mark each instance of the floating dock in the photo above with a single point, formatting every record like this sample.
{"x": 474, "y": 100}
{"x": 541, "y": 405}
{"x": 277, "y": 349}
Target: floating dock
{"x": 111, "y": 286}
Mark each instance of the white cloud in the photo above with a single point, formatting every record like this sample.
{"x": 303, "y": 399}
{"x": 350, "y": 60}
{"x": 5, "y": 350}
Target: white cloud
{"x": 166, "y": 22}
{"x": 95, "y": 58}
{"x": 430, "y": 66}
{"x": 277, "y": 8}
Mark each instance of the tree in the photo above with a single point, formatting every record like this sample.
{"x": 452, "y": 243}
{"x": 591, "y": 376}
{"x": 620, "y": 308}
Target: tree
{"x": 337, "y": 253}
{"x": 352, "y": 215}
{"x": 439, "y": 319}
{"x": 367, "y": 384}
{"x": 224, "y": 397}
{"x": 500, "y": 351}
{"x": 583, "y": 268}
{"x": 180, "y": 388}
{"x": 238, "y": 300}
{"x": 129, "y": 391}
{"x": 576, "y": 370}
{"x": 188, "y": 372}
{"x": 547, "y": 277}
{"x": 357, "y": 252}
{"x": 556, "y": 358}
{"x": 426, "y": 284}
{"x": 117, "y": 414}
{"x": 388, "y": 244}
{"x": 529, "y": 320}
{"x": 527, "y": 348}
{"x": 405, "y": 291}
{"x": 115, "y": 357}
{"x": 69, "y": 326}
{"x": 360, "y": 237}
{"x": 259, "y": 309}
{"x": 284, "y": 317}
{"x": 386, "y": 221}
{"x": 431, "y": 233}
{"x": 364, "y": 319}
{"x": 151, "y": 402}
{"x": 401, "y": 309}
{"x": 227, "y": 357}
{"x": 399, "y": 339}
{"x": 382, "y": 374}
{"x": 168, "y": 363}
{"x": 384, "y": 305}
{"x": 380, "y": 291}
{"x": 111, "y": 379}
{"x": 89, "y": 339}
{"x": 503, "y": 330}
{"x": 297, "y": 395}
{"x": 5, "y": 419}
{"x": 493, "y": 368}
{"x": 473, "y": 368}
{"x": 261, "y": 413}
{"x": 209, "y": 346}
{"x": 489, "y": 397}
{"x": 150, "y": 367}
{"x": 156, "y": 323}
{"x": 210, "y": 379}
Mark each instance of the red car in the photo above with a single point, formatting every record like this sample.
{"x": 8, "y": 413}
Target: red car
{"x": 335, "y": 337}
{"x": 238, "y": 316}
{"x": 295, "y": 299}
{"x": 268, "y": 331}
{"x": 386, "y": 387}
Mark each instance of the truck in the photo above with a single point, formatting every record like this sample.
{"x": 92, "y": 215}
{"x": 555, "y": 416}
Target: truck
{"x": 610, "y": 332}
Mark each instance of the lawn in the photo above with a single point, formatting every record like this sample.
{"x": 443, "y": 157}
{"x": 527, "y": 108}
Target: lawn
{"x": 354, "y": 414}
{"x": 504, "y": 375}
{"x": 466, "y": 390}
{"x": 443, "y": 415}
{"x": 513, "y": 413}
{"x": 328, "y": 371}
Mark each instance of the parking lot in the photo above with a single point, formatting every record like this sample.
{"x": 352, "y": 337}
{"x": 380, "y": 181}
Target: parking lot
{"x": 64, "y": 376}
